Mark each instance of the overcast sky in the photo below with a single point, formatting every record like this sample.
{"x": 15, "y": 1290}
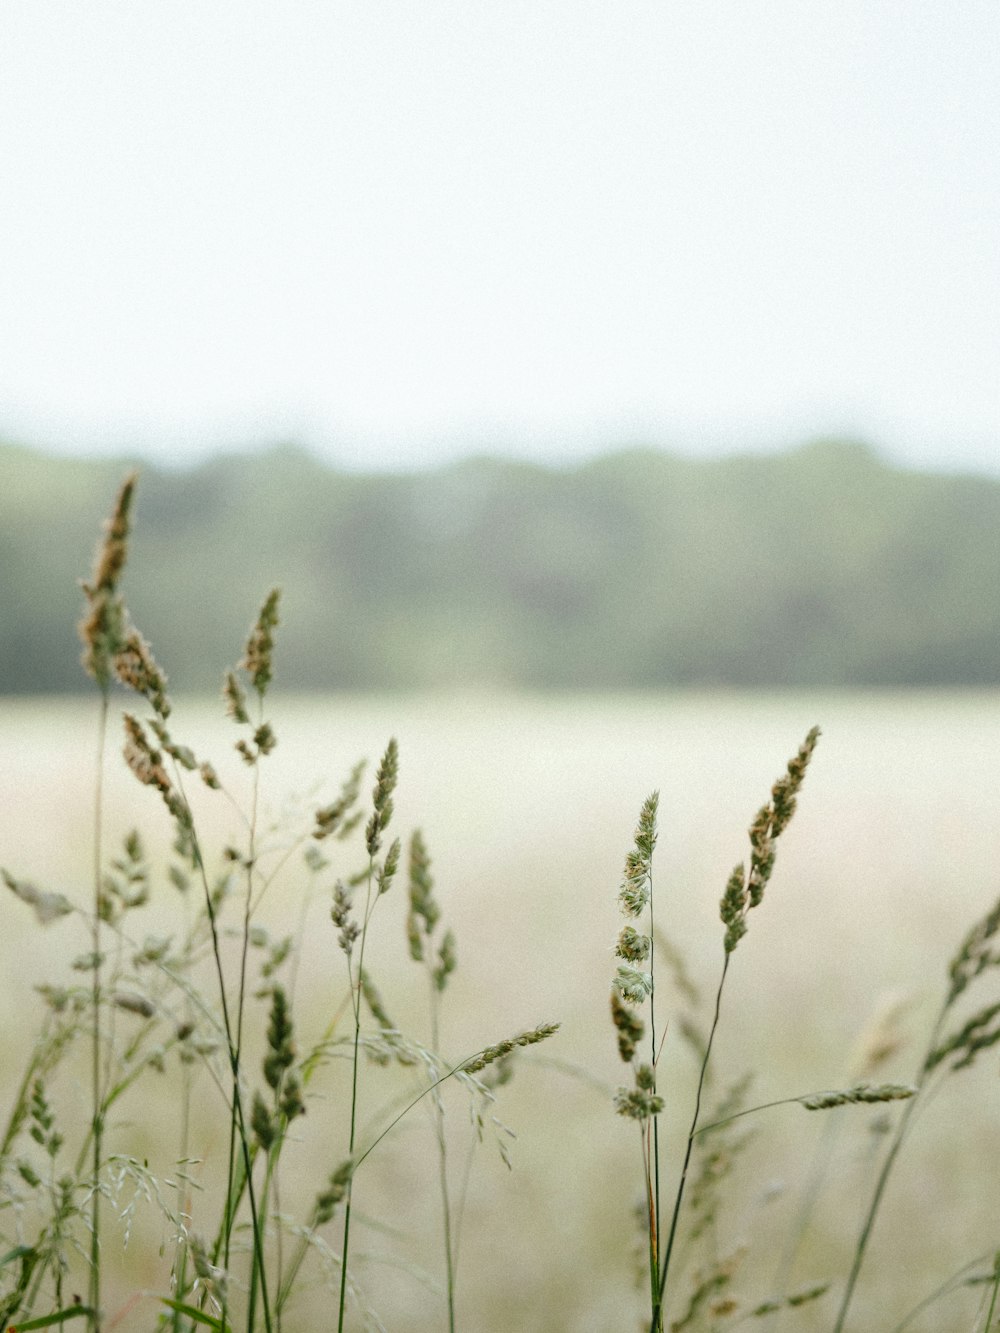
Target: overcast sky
{"x": 401, "y": 229}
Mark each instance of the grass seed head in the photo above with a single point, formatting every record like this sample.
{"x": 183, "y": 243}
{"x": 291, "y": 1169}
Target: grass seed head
{"x": 629, "y": 1026}
{"x": 260, "y": 645}
{"x": 136, "y": 668}
{"x": 861, "y": 1093}
{"x": 102, "y": 627}
{"x": 385, "y": 784}
{"x": 633, "y": 946}
{"x": 493, "y": 1053}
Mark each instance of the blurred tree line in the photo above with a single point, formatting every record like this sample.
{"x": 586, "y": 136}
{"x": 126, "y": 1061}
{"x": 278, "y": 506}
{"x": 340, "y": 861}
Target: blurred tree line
{"x": 823, "y": 566}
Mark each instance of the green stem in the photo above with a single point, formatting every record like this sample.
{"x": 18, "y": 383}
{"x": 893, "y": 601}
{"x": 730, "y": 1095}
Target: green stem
{"x": 883, "y": 1178}
{"x": 356, "y": 1001}
{"x": 950, "y": 1284}
{"x": 692, "y": 1132}
{"x": 97, "y": 1118}
{"x": 993, "y": 1295}
{"x": 654, "y": 1190}
{"x": 240, "y": 1014}
{"x": 237, "y": 1127}
{"x": 442, "y": 1146}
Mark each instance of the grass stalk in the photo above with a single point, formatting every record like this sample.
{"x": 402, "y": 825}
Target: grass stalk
{"x": 653, "y": 1125}
{"x": 657, "y": 1319}
{"x": 97, "y": 1096}
{"x": 994, "y": 1294}
{"x": 356, "y": 1005}
{"x": 442, "y": 1153}
{"x": 882, "y": 1180}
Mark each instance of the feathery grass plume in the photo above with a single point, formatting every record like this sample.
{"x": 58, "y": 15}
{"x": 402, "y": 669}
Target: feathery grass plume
{"x": 974, "y": 957}
{"x": 336, "y": 820}
{"x": 137, "y": 669}
{"x": 236, "y": 700}
{"x": 640, "y": 1102}
{"x": 43, "y": 1129}
{"x": 48, "y": 907}
{"x": 632, "y": 984}
{"x": 336, "y": 1189}
{"x": 126, "y": 886}
{"x": 385, "y": 785}
{"x": 862, "y": 1093}
{"x": 181, "y": 754}
{"x": 634, "y": 892}
{"x": 260, "y": 645}
{"x": 793, "y": 1302}
{"x": 376, "y": 1004}
{"x": 281, "y": 1047}
{"x": 491, "y": 1054}
{"x": 632, "y": 946}
{"x": 978, "y": 1033}
{"x": 102, "y": 628}
{"x": 340, "y": 914}
{"x": 424, "y": 912}
{"x": 143, "y": 759}
{"x": 386, "y": 872}
{"x": 745, "y": 890}
{"x": 630, "y": 1028}
{"x": 447, "y": 960}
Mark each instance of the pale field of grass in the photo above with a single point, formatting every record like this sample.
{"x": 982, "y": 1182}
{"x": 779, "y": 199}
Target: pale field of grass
{"x": 528, "y": 806}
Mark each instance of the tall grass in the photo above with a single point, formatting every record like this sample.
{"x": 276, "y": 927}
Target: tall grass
{"x": 210, "y": 1012}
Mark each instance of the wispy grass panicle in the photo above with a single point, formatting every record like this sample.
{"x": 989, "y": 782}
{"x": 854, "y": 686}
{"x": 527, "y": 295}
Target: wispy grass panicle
{"x": 634, "y": 893}
{"x": 137, "y": 669}
{"x": 102, "y": 628}
{"x": 629, "y": 1026}
{"x": 975, "y": 955}
{"x": 339, "y": 818}
{"x": 633, "y": 984}
{"x": 257, "y": 660}
{"x": 385, "y": 785}
{"x": 235, "y": 698}
{"x": 424, "y": 912}
{"x": 491, "y": 1054}
{"x": 745, "y": 888}
{"x": 860, "y": 1094}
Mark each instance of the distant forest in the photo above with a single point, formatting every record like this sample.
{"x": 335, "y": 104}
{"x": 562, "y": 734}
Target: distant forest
{"x": 820, "y": 567}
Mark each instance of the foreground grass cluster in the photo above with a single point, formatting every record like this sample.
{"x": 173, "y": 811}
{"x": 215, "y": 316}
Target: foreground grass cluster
{"x": 214, "y": 1003}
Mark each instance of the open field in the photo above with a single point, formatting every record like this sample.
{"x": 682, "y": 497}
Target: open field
{"x": 528, "y": 806}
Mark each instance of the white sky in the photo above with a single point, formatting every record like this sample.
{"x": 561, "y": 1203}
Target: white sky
{"x": 399, "y": 229}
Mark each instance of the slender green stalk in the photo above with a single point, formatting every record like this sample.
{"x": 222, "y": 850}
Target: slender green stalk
{"x": 654, "y": 1190}
{"x": 238, "y": 1121}
{"x": 692, "y": 1132}
{"x": 442, "y": 1147}
{"x": 993, "y": 1294}
{"x": 950, "y": 1284}
{"x": 97, "y": 1097}
{"x": 898, "y": 1139}
{"x": 356, "y": 1002}
{"x": 241, "y": 1011}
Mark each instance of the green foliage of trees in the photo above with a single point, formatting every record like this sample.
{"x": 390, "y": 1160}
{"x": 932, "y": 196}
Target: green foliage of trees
{"x": 821, "y": 567}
